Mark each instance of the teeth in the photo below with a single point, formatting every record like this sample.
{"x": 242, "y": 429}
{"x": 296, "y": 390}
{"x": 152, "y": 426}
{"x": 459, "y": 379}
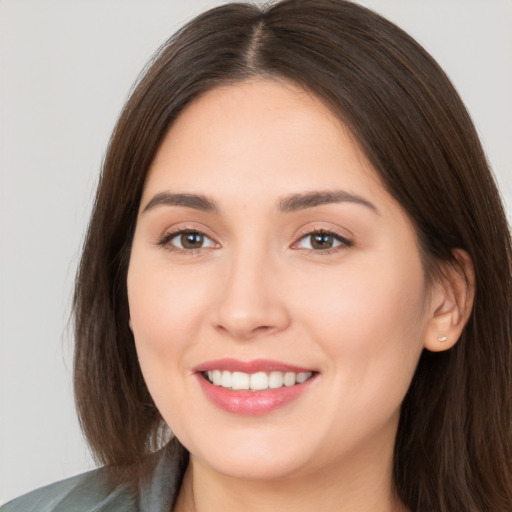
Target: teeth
{"x": 275, "y": 380}
{"x": 289, "y": 379}
{"x": 217, "y": 377}
{"x": 255, "y": 381}
{"x": 303, "y": 377}
{"x": 240, "y": 380}
{"x": 225, "y": 380}
{"x": 258, "y": 381}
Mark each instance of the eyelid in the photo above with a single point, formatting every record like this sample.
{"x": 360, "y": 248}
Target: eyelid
{"x": 345, "y": 242}
{"x": 165, "y": 240}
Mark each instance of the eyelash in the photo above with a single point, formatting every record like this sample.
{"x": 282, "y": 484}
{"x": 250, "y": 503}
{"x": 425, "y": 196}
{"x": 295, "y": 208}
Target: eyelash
{"x": 344, "y": 243}
{"x": 165, "y": 242}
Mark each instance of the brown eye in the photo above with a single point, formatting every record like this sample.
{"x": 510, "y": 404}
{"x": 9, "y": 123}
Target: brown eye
{"x": 187, "y": 240}
{"x": 322, "y": 240}
{"x": 191, "y": 240}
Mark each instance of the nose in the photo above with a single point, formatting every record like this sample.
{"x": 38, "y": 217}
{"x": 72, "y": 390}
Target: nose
{"x": 251, "y": 300}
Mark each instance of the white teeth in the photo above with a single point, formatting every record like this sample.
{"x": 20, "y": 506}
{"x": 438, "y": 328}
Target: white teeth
{"x": 226, "y": 379}
{"x": 217, "y": 377}
{"x": 289, "y": 379}
{"x": 256, "y": 381}
{"x": 240, "y": 380}
{"x": 275, "y": 380}
{"x": 259, "y": 381}
{"x": 303, "y": 377}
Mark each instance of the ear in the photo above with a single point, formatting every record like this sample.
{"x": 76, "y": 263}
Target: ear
{"x": 451, "y": 303}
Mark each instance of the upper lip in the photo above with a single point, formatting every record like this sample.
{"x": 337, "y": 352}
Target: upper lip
{"x": 253, "y": 366}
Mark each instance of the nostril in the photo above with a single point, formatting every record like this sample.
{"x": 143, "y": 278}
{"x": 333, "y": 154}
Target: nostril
{"x": 244, "y": 313}
{"x": 243, "y": 331}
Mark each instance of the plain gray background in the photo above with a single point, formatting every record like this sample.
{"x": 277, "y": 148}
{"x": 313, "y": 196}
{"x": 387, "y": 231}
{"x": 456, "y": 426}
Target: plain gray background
{"x": 66, "y": 67}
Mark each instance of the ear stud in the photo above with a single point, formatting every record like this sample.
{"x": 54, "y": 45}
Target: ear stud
{"x": 443, "y": 338}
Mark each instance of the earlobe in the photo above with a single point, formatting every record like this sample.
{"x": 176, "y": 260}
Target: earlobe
{"x": 451, "y": 303}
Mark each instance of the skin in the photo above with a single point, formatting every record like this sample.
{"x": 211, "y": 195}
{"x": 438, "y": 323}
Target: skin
{"x": 359, "y": 313}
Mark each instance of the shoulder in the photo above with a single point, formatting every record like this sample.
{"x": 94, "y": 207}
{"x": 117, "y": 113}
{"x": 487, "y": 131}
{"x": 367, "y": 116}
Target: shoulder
{"x": 91, "y": 492}
{"x": 95, "y": 491}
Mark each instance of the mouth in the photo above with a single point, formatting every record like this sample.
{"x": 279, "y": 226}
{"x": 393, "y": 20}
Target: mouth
{"x": 259, "y": 381}
{"x": 253, "y": 388}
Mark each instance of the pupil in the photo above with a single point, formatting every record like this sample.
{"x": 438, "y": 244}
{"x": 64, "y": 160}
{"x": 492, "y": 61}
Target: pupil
{"x": 191, "y": 240}
{"x": 322, "y": 241}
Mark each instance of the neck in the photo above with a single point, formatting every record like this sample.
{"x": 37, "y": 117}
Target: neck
{"x": 357, "y": 486}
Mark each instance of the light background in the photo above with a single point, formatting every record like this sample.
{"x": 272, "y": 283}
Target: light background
{"x": 66, "y": 67}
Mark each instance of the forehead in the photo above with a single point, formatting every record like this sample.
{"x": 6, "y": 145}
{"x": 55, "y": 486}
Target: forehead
{"x": 258, "y": 134}
{"x": 262, "y": 123}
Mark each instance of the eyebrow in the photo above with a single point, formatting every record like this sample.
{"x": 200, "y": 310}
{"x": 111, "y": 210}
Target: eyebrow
{"x": 290, "y": 203}
{"x": 295, "y": 202}
{"x": 196, "y": 201}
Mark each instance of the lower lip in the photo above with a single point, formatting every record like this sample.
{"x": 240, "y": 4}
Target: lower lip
{"x": 252, "y": 403}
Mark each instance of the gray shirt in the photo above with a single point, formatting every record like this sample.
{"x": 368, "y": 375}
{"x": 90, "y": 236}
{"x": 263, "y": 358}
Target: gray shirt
{"x": 94, "y": 492}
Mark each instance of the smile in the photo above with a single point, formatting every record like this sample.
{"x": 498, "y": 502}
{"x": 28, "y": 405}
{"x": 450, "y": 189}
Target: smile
{"x": 253, "y": 388}
{"x": 259, "y": 381}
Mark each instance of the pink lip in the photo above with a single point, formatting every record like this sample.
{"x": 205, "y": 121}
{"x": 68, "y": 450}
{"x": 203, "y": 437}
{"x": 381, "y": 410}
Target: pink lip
{"x": 251, "y": 403}
{"x": 254, "y": 366}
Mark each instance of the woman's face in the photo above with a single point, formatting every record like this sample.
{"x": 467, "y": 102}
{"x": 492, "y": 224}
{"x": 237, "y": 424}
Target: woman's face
{"x": 267, "y": 253}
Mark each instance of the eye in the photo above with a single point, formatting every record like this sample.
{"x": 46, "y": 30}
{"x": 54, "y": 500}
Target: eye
{"x": 187, "y": 240}
{"x": 322, "y": 240}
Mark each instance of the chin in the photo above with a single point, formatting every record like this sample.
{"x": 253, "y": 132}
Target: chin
{"x": 254, "y": 458}
{"x": 257, "y": 467}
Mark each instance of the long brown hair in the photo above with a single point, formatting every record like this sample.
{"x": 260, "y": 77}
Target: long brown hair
{"x": 453, "y": 447}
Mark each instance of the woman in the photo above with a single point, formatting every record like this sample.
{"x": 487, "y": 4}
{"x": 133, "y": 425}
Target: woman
{"x": 298, "y": 262}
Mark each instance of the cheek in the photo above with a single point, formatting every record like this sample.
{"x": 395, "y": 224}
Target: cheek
{"x": 165, "y": 307}
{"x": 165, "y": 310}
{"x": 371, "y": 307}
{"x": 370, "y": 318}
